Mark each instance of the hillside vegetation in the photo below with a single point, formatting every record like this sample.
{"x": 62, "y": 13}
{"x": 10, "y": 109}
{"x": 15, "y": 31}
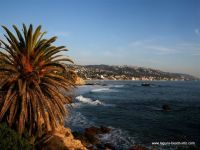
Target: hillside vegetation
{"x": 127, "y": 73}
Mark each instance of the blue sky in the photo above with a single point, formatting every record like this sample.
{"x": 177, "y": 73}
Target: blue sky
{"x": 161, "y": 34}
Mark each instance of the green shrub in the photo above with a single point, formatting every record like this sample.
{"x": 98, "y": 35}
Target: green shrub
{"x": 11, "y": 140}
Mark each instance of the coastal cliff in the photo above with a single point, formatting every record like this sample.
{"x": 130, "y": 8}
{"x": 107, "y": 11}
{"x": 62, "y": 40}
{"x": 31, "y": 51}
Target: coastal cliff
{"x": 62, "y": 138}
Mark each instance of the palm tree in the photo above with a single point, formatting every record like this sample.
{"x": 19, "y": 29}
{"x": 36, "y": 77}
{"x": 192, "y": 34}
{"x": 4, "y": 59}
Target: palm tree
{"x": 32, "y": 75}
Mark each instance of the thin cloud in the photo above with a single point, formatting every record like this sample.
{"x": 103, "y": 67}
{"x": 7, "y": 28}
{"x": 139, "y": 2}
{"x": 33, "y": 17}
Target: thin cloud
{"x": 142, "y": 42}
{"x": 197, "y": 32}
{"x": 135, "y": 43}
{"x": 196, "y": 54}
{"x": 162, "y": 49}
{"x": 157, "y": 47}
{"x": 152, "y": 45}
{"x": 190, "y": 45}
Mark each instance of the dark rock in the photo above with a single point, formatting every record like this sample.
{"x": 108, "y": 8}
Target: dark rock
{"x": 138, "y": 147}
{"x": 97, "y": 130}
{"x": 95, "y": 83}
{"x": 109, "y": 146}
{"x": 93, "y": 130}
{"x": 89, "y": 84}
{"x": 166, "y": 107}
{"x": 89, "y": 136}
{"x": 104, "y": 129}
{"x": 92, "y": 139}
{"x": 145, "y": 84}
{"x": 91, "y": 147}
{"x": 100, "y": 146}
{"x": 80, "y": 136}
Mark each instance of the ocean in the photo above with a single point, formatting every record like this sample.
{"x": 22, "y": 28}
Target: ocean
{"x": 135, "y": 114}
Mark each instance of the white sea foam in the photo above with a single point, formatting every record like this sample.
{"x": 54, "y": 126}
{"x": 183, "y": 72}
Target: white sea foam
{"x": 88, "y": 100}
{"x": 76, "y": 104}
{"x": 118, "y": 86}
{"x": 104, "y": 90}
{"x": 77, "y": 121}
{"x": 100, "y": 90}
{"x": 119, "y": 138}
{"x": 82, "y": 101}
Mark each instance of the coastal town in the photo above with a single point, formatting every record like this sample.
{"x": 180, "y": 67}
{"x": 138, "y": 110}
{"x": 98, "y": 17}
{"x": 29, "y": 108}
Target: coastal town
{"x": 106, "y": 72}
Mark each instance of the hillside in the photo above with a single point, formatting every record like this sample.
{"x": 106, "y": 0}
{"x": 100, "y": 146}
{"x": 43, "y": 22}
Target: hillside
{"x": 127, "y": 73}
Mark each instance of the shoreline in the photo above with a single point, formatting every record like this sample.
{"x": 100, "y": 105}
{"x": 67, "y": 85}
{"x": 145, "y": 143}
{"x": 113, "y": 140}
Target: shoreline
{"x": 98, "y": 81}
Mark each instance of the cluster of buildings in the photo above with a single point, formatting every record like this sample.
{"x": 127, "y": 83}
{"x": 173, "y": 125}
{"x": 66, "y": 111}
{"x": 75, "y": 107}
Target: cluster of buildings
{"x": 105, "y": 72}
{"x": 124, "y": 77}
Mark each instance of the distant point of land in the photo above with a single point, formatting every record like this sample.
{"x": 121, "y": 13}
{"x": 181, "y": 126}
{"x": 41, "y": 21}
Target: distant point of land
{"x": 107, "y": 72}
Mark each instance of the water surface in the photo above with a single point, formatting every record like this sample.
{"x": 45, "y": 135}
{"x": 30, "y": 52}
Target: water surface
{"x": 135, "y": 112}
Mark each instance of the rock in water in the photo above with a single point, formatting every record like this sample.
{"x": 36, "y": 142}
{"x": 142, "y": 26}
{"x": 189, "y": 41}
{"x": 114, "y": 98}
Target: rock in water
{"x": 91, "y": 133}
{"x": 145, "y": 84}
{"x": 166, "y": 107}
{"x": 89, "y": 137}
{"x": 97, "y": 130}
{"x": 104, "y": 129}
{"x": 138, "y": 147}
{"x": 109, "y": 146}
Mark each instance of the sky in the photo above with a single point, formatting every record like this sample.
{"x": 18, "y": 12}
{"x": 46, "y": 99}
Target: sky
{"x": 159, "y": 34}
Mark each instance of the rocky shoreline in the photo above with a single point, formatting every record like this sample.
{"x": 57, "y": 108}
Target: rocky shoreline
{"x": 89, "y": 138}
{"x": 65, "y": 139}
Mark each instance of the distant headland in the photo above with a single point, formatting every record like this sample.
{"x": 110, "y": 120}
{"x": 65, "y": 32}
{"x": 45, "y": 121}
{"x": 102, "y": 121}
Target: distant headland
{"x": 107, "y": 72}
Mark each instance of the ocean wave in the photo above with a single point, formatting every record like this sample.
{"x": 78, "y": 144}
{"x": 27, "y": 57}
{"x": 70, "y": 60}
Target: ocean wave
{"x": 118, "y": 138}
{"x": 83, "y": 90}
{"x": 100, "y": 90}
{"x": 118, "y": 86}
{"x": 76, "y": 104}
{"x": 104, "y": 90}
{"x": 85, "y": 100}
{"x": 77, "y": 121}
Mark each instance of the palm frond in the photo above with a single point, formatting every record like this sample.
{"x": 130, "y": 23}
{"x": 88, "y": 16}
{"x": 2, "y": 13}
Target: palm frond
{"x": 33, "y": 76}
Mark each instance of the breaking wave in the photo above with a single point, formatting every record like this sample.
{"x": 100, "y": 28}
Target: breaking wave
{"x": 118, "y": 138}
{"x": 83, "y": 100}
{"x": 88, "y": 100}
{"x": 118, "y": 86}
{"x": 104, "y": 90}
{"x": 76, "y": 121}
